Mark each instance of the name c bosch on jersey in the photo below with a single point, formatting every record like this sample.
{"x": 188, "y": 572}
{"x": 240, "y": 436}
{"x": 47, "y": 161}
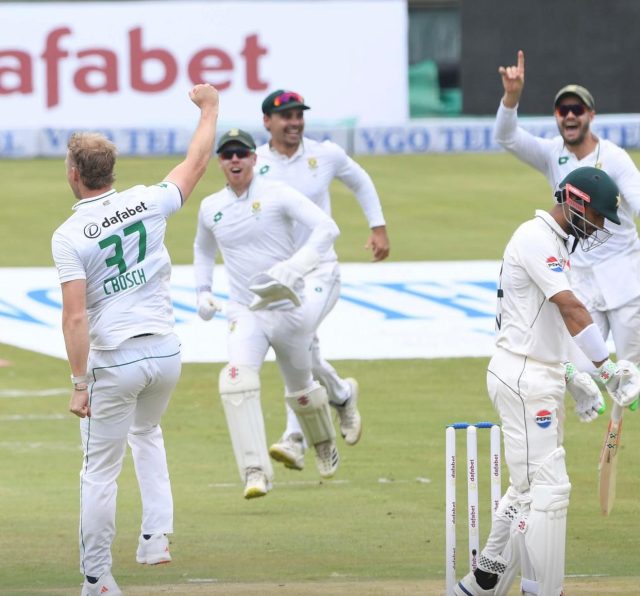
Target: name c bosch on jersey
{"x": 125, "y": 281}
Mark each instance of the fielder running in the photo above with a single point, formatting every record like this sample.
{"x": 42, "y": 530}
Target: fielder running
{"x": 252, "y": 222}
{"x": 607, "y": 281}
{"x": 310, "y": 166}
{"x": 537, "y": 315}
{"x": 117, "y": 321}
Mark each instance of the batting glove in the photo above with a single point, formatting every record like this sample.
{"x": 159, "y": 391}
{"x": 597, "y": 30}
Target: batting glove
{"x": 621, "y": 380}
{"x": 585, "y": 392}
{"x": 207, "y": 306}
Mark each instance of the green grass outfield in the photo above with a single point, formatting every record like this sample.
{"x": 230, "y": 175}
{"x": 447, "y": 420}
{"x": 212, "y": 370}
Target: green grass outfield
{"x": 378, "y": 527}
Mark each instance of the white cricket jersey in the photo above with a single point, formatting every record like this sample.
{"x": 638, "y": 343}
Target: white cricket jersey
{"x": 311, "y": 170}
{"x": 255, "y": 231}
{"x": 115, "y": 242}
{"x": 551, "y": 157}
{"x": 534, "y": 268}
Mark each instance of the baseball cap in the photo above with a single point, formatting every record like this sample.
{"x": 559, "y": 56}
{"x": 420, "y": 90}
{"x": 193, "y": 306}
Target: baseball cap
{"x": 236, "y": 135}
{"x": 602, "y": 191}
{"x": 281, "y": 100}
{"x": 581, "y": 92}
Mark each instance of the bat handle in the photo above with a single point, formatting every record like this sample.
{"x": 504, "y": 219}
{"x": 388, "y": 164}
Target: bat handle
{"x": 616, "y": 413}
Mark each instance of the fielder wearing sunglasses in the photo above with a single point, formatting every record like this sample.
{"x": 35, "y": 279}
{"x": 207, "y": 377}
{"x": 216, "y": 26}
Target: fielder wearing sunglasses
{"x": 239, "y": 152}
{"x": 577, "y": 109}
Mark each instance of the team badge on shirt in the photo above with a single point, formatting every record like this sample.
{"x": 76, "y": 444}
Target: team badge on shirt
{"x": 556, "y": 265}
{"x": 543, "y": 418}
{"x": 264, "y": 169}
{"x": 217, "y": 217}
{"x": 313, "y": 163}
{"x": 255, "y": 207}
{"x": 563, "y": 160}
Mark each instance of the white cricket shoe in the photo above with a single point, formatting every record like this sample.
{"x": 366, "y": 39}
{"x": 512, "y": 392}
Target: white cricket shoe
{"x": 257, "y": 484}
{"x": 105, "y": 586}
{"x": 349, "y": 416}
{"x": 327, "y": 458}
{"x": 153, "y": 551}
{"x": 468, "y": 586}
{"x": 289, "y": 451}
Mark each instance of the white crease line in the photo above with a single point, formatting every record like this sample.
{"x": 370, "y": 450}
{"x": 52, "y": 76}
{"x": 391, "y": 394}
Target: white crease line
{"x": 29, "y": 417}
{"x": 33, "y": 392}
{"x": 24, "y": 446}
{"x": 285, "y": 483}
{"x": 419, "y": 480}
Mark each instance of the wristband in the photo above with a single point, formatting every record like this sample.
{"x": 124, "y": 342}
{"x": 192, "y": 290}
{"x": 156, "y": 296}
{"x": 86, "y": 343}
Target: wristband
{"x": 83, "y": 388}
{"x": 80, "y": 379}
{"x": 590, "y": 341}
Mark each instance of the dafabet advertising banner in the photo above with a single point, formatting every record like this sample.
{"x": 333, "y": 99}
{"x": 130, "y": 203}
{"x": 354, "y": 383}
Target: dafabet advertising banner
{"x": 131, "y": 64}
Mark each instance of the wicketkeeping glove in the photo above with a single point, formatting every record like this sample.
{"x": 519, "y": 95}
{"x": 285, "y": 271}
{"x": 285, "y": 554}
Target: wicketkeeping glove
{"x": 585, "y": 392}
{"x": 287, "y": 274}
{"x": 207, "y": 306}
{"x": 621, "y": 380}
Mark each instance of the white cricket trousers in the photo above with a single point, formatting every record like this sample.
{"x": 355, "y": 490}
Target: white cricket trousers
{"x": 529, "y": 398}
{"x": 321, "y": 293}
{"x": 130, "y": 392}
{"x": 251, "y": 333}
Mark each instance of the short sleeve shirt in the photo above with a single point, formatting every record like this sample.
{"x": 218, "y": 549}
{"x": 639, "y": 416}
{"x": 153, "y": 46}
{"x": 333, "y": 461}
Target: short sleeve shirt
{"x": 115, "y": 242}
{"x": 535, "y": 268}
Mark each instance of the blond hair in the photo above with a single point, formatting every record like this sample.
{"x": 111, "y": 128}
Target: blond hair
{"x": 94, "y": 156}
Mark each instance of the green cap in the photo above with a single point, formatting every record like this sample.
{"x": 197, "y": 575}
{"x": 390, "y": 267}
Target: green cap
{"x": 580, "y": 92}
{"x": 601, "y": 190}
{"x": 236, "y": 135}
{"x": 282, "y": 100}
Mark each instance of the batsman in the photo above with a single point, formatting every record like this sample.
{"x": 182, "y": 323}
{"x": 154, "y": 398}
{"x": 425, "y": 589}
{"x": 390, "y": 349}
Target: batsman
{"x": 538, "y": 314}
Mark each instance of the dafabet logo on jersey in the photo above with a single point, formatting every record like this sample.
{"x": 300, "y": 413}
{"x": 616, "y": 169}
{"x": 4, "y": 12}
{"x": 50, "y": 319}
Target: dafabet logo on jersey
{"x": 121, "y": 216}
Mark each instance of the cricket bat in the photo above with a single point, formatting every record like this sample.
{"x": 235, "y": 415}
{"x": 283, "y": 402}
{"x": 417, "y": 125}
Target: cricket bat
{"x": 609, "y": 461}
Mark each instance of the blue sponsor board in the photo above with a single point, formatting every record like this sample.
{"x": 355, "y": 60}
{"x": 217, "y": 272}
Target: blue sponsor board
{"x": 386, "y": 310}
{"x": 449, "y": 135}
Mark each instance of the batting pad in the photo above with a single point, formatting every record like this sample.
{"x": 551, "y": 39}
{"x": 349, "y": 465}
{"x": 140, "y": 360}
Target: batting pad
{"x": 542, "y": 533}
{"x": 312, "y": 409}
{"x": 240, "y": 394}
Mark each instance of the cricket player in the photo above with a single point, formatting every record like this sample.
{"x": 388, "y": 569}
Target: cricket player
{"x": 607, "y": 280}
{"x": 310, "y": 166}
{"x": 117, "y": 321}
{"x": 253, "y": 222}
{"x": 537, "y": 315}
